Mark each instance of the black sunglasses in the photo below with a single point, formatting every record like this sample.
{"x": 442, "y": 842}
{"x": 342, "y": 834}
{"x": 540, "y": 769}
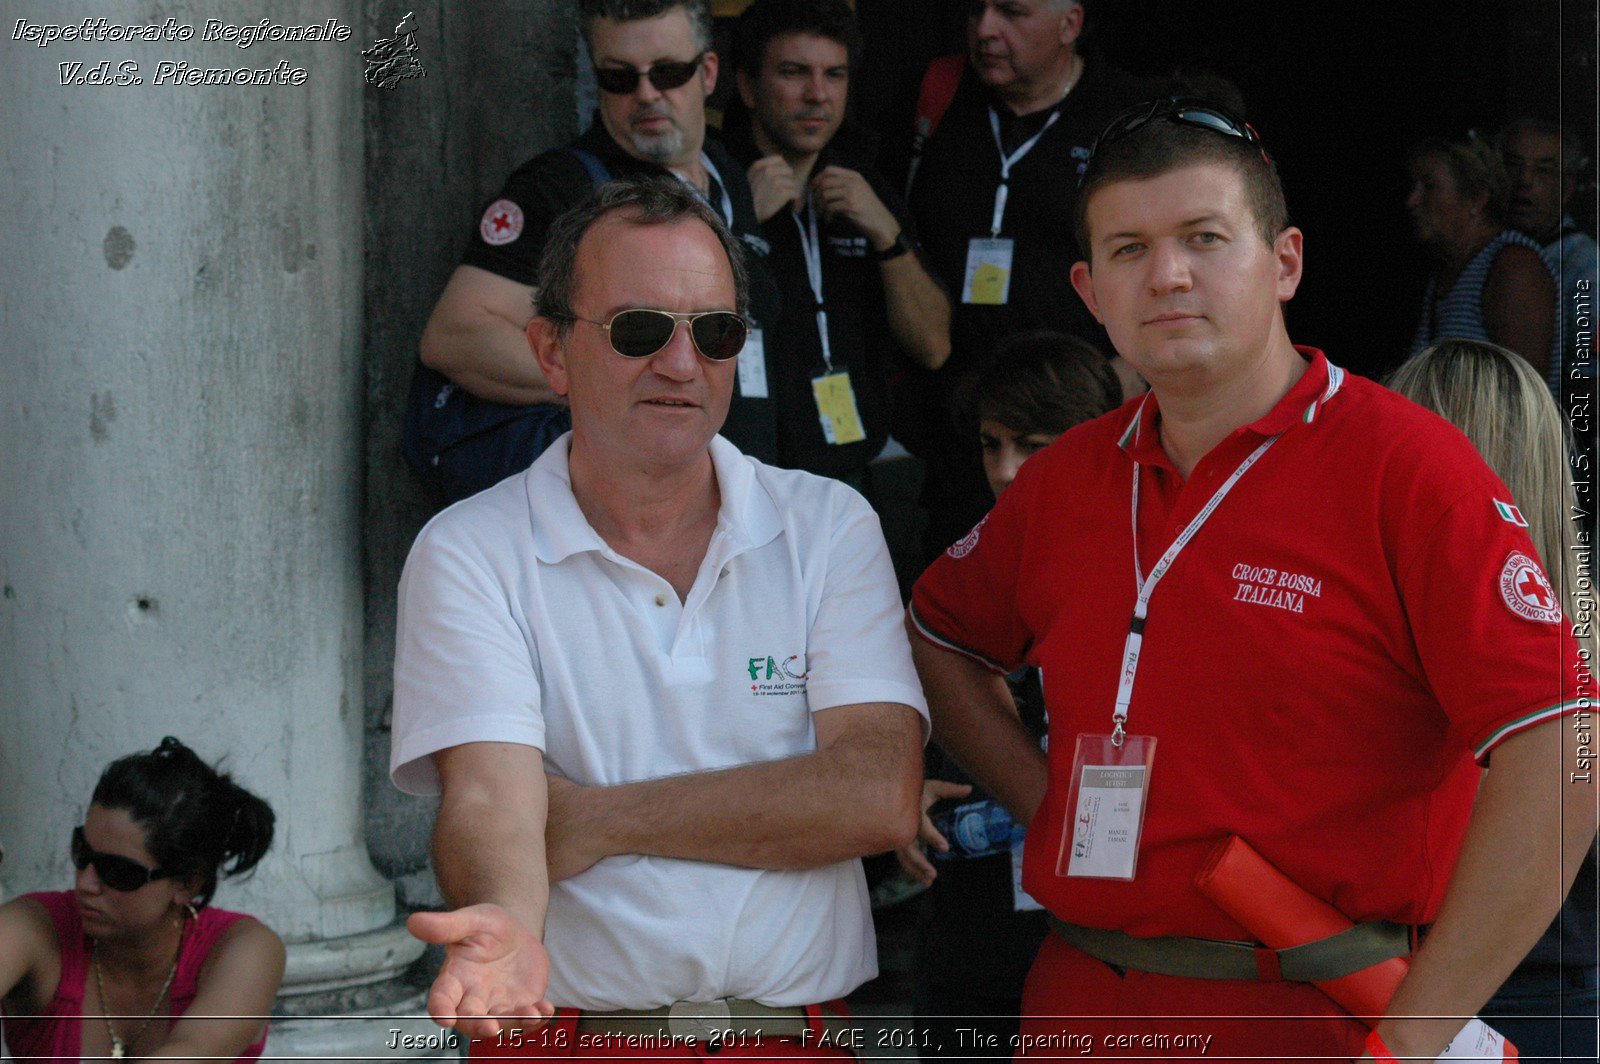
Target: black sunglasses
{"x": 717, "y": 334}
{"x": 1183, "y": 110}
{"x": 117, "y": 872}
{"x": 621, "y": 81}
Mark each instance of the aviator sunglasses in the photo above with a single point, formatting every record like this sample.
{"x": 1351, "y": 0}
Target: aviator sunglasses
{"x": 717, "y": 334}
{"x": 1184, "y": 110}
{"x": 621, "y": 81}
{"x": 119, "y": 873}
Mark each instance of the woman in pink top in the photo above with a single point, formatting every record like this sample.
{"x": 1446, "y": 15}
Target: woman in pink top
{"x": 131, "y": 962}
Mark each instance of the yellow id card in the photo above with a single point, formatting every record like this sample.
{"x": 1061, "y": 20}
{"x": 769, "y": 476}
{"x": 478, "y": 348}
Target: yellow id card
{"x": 988, "y": 281}
{"x": 836, "y": 406}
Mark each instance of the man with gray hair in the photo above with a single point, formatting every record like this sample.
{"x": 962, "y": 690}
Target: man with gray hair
{"x": 660, "y": 687}
{"x": 655, "y": 67}
{"x": 1544, "y": 161}
{"x": 992, "y": 202}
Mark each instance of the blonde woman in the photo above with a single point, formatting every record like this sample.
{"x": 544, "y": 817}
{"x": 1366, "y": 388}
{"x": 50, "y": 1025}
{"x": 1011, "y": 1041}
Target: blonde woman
{"x": 1548, "y": 1005}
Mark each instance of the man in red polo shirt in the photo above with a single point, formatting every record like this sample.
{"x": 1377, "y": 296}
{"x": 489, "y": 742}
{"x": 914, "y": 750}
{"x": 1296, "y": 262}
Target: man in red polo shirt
{"x": 1336, "y": 618}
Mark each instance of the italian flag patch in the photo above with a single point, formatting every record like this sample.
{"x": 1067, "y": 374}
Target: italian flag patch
{"x": 1510, "y": 514}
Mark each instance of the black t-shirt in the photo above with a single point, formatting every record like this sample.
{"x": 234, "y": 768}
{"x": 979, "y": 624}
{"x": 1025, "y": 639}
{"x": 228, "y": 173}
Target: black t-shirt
{"x": 952, "y": 202}
{"x": 548, "y": 185}
{"x": 858, "y": 331}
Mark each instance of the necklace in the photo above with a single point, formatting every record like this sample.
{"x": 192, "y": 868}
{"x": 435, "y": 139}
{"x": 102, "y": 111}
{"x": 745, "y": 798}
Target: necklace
{"x": 119, "y": 1047}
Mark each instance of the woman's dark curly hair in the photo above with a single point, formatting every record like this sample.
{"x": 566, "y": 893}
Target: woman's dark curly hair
{"x": 197, "y": 821}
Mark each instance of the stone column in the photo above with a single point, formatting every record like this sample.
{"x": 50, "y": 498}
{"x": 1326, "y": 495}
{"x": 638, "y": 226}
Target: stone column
{"x": 498, "y": 92}
{"x": 180, "y": 464}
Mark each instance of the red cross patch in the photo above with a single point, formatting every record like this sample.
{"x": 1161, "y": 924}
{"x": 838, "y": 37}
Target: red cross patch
{"x": 963, "y": 546}
{"x": 1526, "y": 591}
{"x": 501, "y": 224}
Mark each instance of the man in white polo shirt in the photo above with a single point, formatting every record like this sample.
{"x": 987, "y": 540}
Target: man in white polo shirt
{"x": 660, "y": 687}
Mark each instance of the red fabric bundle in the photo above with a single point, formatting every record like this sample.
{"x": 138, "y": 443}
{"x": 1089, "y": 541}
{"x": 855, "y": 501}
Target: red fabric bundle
{"x": 1280, "y": 913}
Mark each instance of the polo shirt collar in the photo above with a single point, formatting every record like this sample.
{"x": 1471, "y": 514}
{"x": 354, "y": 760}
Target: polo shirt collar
{"x": 559, "y": 528}
{"x": 1300, "y": 405}
{"x": 748, "y": 516}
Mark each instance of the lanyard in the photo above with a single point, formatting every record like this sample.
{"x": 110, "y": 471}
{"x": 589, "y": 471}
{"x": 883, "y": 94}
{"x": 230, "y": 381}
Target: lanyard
{"x": 1007, "y": 162}
{"x": 726, "y": 205}
{"x": 1147, "y": 586}
{"x": 811, "y": 248}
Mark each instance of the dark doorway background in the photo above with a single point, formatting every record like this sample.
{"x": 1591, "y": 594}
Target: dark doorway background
{"x": 1338, "y": 90}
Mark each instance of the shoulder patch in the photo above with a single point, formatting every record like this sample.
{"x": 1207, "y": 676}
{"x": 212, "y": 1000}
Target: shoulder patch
{"x": 1510, "y": 514}
{"x": 963, "y": 546}
{"x": 1526, "y": 591}
{"x": 501, "y": 223}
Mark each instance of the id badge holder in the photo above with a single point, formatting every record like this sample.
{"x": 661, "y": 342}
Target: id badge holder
{"x": 1106, "y": 800}
{"x": 836, "y": 407}
{"x": 753, "y": 366}
{"x": 988, "y": 277}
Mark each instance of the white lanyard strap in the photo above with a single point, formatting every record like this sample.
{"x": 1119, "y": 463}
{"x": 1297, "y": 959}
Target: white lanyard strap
{"x": 1007, "y": 162}
{"x": 811, "y": 249}
{"x": 1147, "y": 586}
{"x": 726, "y": 206}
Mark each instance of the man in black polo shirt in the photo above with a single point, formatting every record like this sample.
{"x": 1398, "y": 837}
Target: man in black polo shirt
{"x": 843, "y": 255}
{"x": 655, "y": 68}
{"x": 993, "y": 203}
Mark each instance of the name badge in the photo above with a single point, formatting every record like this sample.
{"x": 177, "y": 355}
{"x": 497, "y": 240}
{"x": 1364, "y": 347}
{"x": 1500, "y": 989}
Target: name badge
{"x": 753, "y": 367}
{"x": 988, "y": 280}
{"x": 836, "y": 407}
{"x": 1107, "y": 802}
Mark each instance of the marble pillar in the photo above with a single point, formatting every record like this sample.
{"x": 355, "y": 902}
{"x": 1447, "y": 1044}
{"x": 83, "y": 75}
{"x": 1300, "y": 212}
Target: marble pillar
{"x": 180, "y": 463}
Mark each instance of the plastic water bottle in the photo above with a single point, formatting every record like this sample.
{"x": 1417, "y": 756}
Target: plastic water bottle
{"x": 976, "y": 829}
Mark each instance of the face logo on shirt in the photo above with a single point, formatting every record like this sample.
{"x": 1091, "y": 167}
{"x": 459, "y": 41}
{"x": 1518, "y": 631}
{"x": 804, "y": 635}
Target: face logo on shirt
{"x": 1526, "y": 591}
{"x": 771, "y": 675}
{"x": 501, "y": 223}
{"x": 963, "y": 546}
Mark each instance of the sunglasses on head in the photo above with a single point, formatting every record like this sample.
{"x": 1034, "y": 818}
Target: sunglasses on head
{"x": 621, "y": 81}
{"x": 717, "y": 334}
{"x": 116, "y": 872}
{"x": 1183, "y": 110}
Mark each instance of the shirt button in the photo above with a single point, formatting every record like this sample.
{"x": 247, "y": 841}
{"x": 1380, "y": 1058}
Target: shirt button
{"x": 661, "y": 600}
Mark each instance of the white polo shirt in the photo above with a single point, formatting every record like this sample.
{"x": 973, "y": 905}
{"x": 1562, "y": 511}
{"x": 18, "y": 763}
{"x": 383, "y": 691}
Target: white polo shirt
{"x": 519, "y": 624}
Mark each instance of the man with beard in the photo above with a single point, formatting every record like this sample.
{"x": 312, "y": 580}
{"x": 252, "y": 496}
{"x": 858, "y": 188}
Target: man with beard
{"x": 843, "y": 253}
{"x": 655, "y": 68}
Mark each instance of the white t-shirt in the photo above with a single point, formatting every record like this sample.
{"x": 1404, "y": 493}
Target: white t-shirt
{"x": 519, "y": 624}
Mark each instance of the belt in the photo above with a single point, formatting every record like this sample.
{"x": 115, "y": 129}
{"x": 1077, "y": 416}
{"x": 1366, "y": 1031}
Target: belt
{"x": 712, "y": 1021}
{"x": 1338, "y": 955}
